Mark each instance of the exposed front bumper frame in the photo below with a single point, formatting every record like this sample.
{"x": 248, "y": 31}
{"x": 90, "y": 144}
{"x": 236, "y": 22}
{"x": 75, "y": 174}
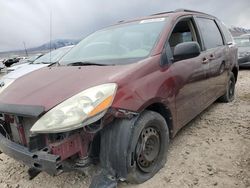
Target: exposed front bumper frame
{"x": 39, "y": 160}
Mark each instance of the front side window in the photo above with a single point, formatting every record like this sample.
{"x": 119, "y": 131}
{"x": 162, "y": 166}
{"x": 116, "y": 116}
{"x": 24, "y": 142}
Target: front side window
{"x": 210, "y": 32}
{"x": 184, "y": 31}
{"x": 125, "y": 41}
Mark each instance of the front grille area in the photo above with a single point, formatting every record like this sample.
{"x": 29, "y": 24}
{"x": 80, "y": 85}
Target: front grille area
{"x": 27, "y": 124}
{"x": 17, "y": 128}
{"x": 64, "y": 146}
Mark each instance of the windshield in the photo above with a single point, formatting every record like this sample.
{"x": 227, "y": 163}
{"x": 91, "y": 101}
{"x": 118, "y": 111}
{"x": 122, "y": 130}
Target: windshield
{"x": 54, "y": 56}
{"x": 33, "y": 58}
{"x": 242, "y": 41}
{"x": 126, "y": 41}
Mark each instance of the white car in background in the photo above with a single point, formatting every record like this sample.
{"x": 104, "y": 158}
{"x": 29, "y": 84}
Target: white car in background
{"x": 44, "y": 61}
{"x": 23, "y": 62}
{"x": 1, "y": 64}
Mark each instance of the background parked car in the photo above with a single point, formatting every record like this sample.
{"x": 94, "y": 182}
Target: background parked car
{"x": 2, "y": 64}
{"x": 44, "y": 61}
{"x": 23, "y": 62}
{"x": 243, "y": 43}
{"x": 11, "y": 61}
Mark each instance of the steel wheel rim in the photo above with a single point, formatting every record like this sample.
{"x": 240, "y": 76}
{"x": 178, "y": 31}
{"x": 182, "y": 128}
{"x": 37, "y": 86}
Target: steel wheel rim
{"x": 148, "y": 149}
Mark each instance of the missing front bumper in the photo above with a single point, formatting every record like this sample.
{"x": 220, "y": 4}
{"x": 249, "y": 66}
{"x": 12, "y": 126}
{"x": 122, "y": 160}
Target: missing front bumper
{"x": 40, "y": 160}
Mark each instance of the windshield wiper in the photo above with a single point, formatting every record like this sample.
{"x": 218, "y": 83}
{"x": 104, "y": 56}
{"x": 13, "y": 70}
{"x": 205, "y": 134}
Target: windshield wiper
{"x": 47, "y": 63}
{"x": 40, "y": 63}
{"x": 55, "y": 63}
{"x": 84, "y": 63}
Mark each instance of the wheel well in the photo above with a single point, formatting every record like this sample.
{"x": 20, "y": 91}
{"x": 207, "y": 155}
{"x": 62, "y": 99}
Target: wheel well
{"x": 235, "y": 72}
{"x": 165, "y": 112}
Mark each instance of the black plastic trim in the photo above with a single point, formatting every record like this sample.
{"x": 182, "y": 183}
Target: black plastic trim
{"x": 22, "y": 110}
{"x": 40, "y": 160}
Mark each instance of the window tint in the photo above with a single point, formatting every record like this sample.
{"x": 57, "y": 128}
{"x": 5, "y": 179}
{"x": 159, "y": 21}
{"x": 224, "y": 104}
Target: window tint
{"x": 210, "y": 33}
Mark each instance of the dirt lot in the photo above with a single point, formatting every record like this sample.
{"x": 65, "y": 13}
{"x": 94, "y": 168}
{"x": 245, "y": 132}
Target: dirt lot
{"x": 211, "y": 151}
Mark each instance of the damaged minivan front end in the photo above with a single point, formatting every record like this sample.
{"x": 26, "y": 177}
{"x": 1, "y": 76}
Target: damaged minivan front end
{"x": 64, "y": 138}
{"x": 83, "y": 109}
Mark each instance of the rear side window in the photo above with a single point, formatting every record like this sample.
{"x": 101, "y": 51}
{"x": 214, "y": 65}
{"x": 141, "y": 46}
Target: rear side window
{"x": 210, "y": 33}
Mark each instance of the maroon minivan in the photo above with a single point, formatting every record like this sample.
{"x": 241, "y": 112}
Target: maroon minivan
{"x": 118, "y": 97}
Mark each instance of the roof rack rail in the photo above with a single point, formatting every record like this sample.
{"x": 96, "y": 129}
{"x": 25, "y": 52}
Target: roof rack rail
{"x": 179, "y": 10}
{"x": 161, "y": 13}
{"x": 188, "y": 10}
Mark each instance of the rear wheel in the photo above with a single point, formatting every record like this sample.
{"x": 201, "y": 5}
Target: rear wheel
{"x": 230, "y": 92}
{"x": 138, "y": 150}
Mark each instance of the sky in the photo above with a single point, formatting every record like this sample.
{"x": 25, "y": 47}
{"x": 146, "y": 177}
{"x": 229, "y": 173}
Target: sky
{"x": 29, "y": 20}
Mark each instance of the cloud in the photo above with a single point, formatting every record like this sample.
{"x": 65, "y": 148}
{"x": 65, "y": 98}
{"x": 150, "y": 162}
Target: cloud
{"x": 29, "y": 20}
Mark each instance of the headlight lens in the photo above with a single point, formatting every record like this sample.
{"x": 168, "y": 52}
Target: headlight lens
{"x": 82, "y": 109}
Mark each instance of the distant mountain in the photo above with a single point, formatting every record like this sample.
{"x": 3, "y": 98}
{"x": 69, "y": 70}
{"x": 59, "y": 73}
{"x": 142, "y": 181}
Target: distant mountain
{"x": 54, "y": 44}
{"x": 58, "y": 43}
{"x": 237, "y": 31}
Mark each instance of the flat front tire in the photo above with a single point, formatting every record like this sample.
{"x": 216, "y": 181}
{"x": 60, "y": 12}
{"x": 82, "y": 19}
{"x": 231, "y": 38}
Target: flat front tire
{"x": 150, "y": 142}
{"x": 135, "y": 150}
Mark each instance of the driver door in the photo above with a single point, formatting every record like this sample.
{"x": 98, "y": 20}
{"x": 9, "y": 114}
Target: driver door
{"x": 189, "y": 75}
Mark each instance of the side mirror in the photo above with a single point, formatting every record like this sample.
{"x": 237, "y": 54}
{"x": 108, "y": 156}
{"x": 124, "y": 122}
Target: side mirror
{"x": 186, "y": 50}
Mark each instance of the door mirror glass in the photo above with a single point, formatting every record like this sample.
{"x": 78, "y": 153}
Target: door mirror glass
{"x": 186, "y": 50}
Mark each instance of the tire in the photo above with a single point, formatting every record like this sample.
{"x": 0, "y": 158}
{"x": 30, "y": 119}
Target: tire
{"x": 137, "y": 150}
{"x": 230, "y": 91}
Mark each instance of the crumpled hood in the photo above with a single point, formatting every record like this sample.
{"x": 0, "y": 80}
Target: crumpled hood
{"x": 50, "y": 86}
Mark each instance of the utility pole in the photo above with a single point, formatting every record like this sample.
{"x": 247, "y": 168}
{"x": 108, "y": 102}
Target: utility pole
{"x": 26, "y": 52}
{"x": 50, "y": 33}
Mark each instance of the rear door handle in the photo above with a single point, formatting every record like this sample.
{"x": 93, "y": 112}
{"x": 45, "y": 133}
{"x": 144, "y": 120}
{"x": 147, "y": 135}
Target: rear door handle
{"x": 205, "y": 61}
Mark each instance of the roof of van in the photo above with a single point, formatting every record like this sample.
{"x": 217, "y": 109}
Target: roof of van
{"x": 179, "y": 12}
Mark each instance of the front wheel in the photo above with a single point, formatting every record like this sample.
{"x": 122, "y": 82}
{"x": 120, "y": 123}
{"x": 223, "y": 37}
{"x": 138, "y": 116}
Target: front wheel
{"x": 230, "y": 91}
{"x": 150, "y": 142}
{"x": 135, "y": 150}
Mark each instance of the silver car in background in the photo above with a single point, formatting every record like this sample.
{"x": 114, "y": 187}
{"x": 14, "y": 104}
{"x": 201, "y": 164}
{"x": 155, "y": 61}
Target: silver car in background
{"x": 44, "y": 61}
{"x": 243, "y": 44}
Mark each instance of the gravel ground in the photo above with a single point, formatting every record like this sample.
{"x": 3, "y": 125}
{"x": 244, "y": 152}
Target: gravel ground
{"x": 211, "y": 151}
